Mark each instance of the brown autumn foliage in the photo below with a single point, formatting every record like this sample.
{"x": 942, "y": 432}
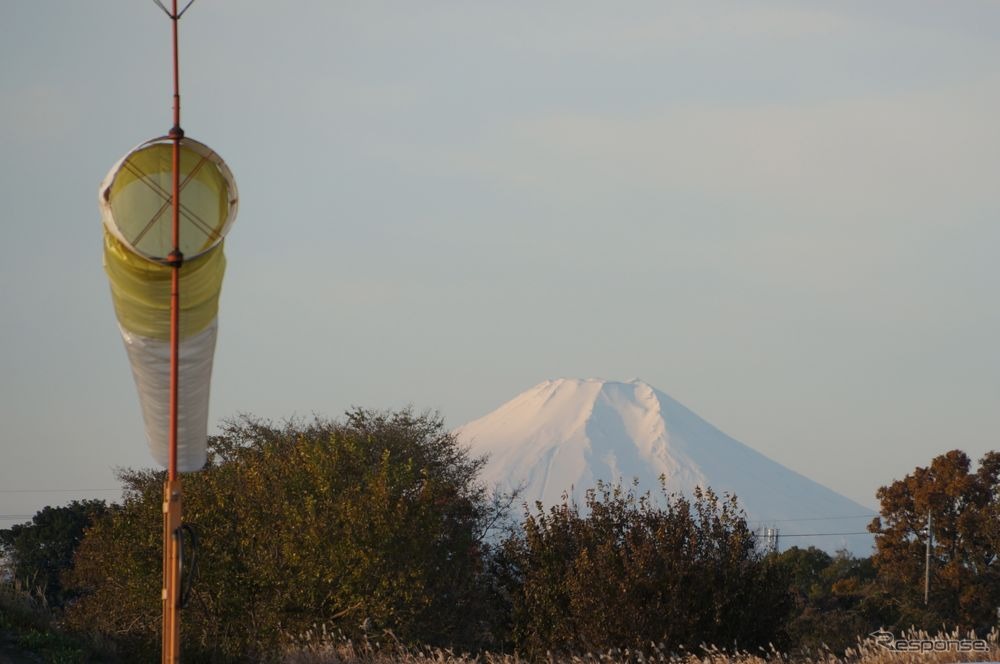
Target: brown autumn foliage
{"x": 964, "y": 506}
{"x": 626, "y": 570}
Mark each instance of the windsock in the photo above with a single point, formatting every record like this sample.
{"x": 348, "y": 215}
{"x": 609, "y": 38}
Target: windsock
{"x": 136, "y": 202}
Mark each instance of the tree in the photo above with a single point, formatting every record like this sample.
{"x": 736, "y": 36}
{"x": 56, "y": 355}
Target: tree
{"x": 627, "y": 573}
{"x": 835, "y": 599}
{"x": 39, "y": 551}
{"x": 964, "y": 566}
{"x": 373, "y": 522}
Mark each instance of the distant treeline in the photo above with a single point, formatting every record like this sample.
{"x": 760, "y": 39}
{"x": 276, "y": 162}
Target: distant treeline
{"x": 376, "y": 524}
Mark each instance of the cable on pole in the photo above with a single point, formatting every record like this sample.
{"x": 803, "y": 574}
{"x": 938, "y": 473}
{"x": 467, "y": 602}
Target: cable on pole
{"x": 188, "y": 578}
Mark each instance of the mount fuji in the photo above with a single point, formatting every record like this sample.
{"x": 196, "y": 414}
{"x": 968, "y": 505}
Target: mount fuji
{"x": 564, "y": 435}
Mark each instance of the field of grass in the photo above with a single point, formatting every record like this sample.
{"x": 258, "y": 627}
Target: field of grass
{"x": 28, "y": 634}
{"x": 319, "y": 647}
{"x": 27, "y": 631}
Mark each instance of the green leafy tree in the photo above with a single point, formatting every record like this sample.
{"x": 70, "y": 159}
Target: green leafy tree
{"x": 626, "y": 572}
{"x": 804, "y": 569}
{"x": 370, "y": 523}
{"x": 835, "y": 598}
{"x": 964, "y": 506}
{"x": 39, "y": 551}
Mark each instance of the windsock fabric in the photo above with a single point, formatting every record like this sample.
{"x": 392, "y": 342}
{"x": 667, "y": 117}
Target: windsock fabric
{"x": 140, "y": 290}
{"x": 135, "y": 199}
{"x": 150, "y": 360}
{"x": 135, "y": 204}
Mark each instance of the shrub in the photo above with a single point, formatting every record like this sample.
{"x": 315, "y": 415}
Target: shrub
{"x": 373, "y": 522}
{"x": 627, "y": 573}
{"x": 38, "y": 552}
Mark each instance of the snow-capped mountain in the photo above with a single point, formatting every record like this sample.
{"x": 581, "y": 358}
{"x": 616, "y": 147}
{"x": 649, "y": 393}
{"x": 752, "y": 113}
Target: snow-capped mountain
{"x": 564, "y": 435}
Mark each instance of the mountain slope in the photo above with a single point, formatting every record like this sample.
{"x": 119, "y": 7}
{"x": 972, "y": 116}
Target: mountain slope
{"x": 566, "y": 434}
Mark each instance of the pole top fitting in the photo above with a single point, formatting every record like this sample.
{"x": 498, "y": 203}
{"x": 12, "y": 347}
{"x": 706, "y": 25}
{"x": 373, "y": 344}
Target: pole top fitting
{"x": 176, "y": 132}
{"x": 175, "y": 258}
{"x": 174, "y": 16}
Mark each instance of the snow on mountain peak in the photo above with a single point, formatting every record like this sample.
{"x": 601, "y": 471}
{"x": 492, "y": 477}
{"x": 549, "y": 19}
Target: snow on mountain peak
{"x": 563, "y": 435}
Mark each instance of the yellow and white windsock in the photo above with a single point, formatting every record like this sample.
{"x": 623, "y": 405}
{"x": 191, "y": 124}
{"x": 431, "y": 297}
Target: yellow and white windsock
{"x": 135, "y": 201}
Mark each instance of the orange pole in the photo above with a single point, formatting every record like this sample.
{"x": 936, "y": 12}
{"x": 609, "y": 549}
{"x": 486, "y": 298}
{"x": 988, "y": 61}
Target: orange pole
{"x": 172, "y": 496}
{"x": 171, "y": 572}
{"x": 175, "y": 258}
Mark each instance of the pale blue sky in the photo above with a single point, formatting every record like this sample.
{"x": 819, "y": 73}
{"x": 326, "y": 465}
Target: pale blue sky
{"x": 784, "y": 214}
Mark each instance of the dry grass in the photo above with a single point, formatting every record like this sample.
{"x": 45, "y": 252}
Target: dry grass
{"x": 22, "y": 607}
{"x": 28, "y": 632}
{"x": 320, "y": 647}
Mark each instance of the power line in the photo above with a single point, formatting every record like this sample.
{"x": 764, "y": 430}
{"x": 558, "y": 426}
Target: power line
{"x": 816, "y": 518}
{"x": 57, "y": 490}
{"x": 864, "y": 532}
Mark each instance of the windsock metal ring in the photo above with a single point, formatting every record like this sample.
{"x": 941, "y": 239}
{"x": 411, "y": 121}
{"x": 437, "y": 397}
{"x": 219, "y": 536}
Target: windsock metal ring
{"x": 135, "y": 202}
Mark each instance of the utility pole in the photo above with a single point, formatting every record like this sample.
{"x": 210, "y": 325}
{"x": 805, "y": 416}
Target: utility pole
{"x": 927, "y": 561}
{"x": 172, "y": 494}
{"x": 138, "y": 291}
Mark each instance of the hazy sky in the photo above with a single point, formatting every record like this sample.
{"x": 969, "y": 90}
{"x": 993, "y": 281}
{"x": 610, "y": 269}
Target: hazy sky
{"x": 784, "y": 214}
